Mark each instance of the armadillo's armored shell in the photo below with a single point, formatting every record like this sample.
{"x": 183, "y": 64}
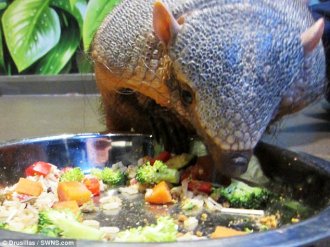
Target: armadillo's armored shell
{"x": 242, "y": 58}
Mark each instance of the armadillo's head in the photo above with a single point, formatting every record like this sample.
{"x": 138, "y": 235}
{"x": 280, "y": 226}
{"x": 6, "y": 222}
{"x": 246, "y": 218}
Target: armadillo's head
{"x": 238, "y": 67}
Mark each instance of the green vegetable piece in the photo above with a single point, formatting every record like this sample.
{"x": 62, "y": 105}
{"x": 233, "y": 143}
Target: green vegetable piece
{"x": 179, "y": 161}
{"x": 31, "y": 229}
{"x": 241, "y": 195}
{"x": 216, "y": 193}
{"x": 114, "y": 177}
{"x": 75, "y": 174}
{"x": 165, "y": 230}
{"x": 194, "y": 204}
{"x": 3, "y": 225}
{"x": 187, "y": 205}
{"x": 64, "y": 223}
{"x": 50, "y": 231}
{"x": 151, "y": 174}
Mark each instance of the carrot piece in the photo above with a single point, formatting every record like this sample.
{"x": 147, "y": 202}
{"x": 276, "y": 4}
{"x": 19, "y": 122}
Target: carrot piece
{"x": 28, "y": 187}
{"x": 73, "y": 191}
{"x": 222, "y": 232}
{"x": 70, "y": 205}
{"x": 160, "y": 194}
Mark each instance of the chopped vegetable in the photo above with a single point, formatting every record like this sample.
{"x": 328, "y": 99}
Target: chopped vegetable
{"x": 68, "y": 205}
{"x": 28, "y": 187}
{"x": 202, "y": 170}
{"x": 93, "y": 185}
{"x": 160, "y": 194}
{"x": 75, "y": 191}
{"x": 165, "y": 230}
{"x": 222, "y": 232}
{"x": 74, "y": 174}
{"x": 39, "y": 168}
{"x": 241, "y": 195}
{"x": 216, "y": 193}
{"x": 179, "y": 161}
{"x": 294, "y": 207}
{"x": 190, "y": 224}
{"x": 270, "y": 221}
{"x": 54, "y": 223}
{"x": 3, "y": 225}
{"x": 192, "y": 204}
{"x": 151, "y": 174}
{"x": 162, "y": 156}
{"x": 114, "y": 177}
{"x": 200, "y": 186}
{"x": 64, "y": 214}
{"x": 31, "y": 229}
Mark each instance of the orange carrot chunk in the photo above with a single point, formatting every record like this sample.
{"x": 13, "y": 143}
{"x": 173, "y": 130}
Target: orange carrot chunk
{"x": 160, "y": 194}
{"x": 28, "y": 187}
{"x": 73, "y": 191}
{"x": 222, "y": 232}
{"x": 70, "y": 205}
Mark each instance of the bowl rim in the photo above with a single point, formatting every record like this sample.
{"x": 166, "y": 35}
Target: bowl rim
{"x": 314, "y": 229}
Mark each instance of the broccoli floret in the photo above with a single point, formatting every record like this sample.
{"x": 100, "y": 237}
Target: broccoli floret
{"x": 55, "y": 223}
{"x": 110, "y": 176}
{"x": 151, "y": 174}
{"x": 241, "y": 195}
{"x": 50, "y": 231}
{"x": 165, "y": 230}
{"x": 74, "y": 174}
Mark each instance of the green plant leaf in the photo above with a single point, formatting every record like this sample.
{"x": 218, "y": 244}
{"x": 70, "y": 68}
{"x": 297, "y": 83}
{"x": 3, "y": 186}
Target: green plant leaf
{"x": 3, "y": 4}
{"x": 78, "y": 10}
{"x": 67, "y": 68}
{"x": 31, "y": 29}
{"x": 96, "y": 11}
{"x": 73, "y": 3}
{"x": 2, "y": 59}
{"x": 84, "y": 64}
{"x": 56, "y": 59}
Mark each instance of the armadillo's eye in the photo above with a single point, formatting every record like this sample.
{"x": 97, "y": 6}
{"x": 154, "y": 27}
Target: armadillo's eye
{"x": 186, "y": 96}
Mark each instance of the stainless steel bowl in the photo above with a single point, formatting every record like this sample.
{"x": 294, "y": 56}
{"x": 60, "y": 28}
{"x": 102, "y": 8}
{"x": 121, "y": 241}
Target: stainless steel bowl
{"x": 303, "y": 175}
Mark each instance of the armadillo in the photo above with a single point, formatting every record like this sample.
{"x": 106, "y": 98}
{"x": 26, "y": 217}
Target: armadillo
{"x": 219, "y": 69}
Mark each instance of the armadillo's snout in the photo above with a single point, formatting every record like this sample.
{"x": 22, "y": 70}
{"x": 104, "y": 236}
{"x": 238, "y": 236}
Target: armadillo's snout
{"x": 232, "y": 163}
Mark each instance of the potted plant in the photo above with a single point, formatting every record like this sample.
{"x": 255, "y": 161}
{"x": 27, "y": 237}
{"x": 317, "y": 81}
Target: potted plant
{"x": 48, "y": 37}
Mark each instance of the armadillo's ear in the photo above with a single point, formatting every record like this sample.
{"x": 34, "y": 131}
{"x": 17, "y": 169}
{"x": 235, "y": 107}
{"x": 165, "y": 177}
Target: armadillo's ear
{"x": 312, "y": 36}
{"x": 165, "y": 25}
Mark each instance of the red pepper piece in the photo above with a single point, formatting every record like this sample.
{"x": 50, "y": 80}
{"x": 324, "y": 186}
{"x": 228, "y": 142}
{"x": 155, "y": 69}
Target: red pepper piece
{"x": 38, "y": 168}
{"x": 93, "y": 185}
{"x": 200, "y": 186}
{"x": 162, "y": 156}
